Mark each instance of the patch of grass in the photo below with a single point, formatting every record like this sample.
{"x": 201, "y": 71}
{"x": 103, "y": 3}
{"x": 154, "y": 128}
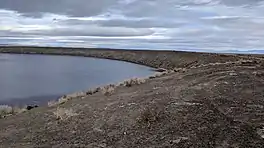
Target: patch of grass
{"x": 179, "y": 69}
{"x": 148, "y": 116}
{"x": 108, "y": 90}
{"x": 52, "y": 103}
{"x": 258, "y": 73}
{"x": 162, "y": 73}
{"x": 159, "y": 74}
{"x": 66, "y": 98}
{"x": 134, "y": 81}
{"x": 63, "y": 113}
{"x": 93, "y": 91}
{"x": 248, "y": 62}
{"x": 6, "y": 110}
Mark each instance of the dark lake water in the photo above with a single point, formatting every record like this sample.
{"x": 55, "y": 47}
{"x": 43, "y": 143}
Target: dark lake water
{"x": 36, "y": 79}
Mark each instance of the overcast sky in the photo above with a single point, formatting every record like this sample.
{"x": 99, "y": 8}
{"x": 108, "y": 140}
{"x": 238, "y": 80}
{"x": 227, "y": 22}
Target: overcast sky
{"x": 201, "y": 25}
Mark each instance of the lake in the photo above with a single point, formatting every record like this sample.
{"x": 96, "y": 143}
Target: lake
{"x": 37, "y": 79}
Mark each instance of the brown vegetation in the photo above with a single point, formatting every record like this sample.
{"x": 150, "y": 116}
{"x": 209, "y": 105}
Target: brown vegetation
{"x": 133, "y": 81}
{"x": 64, "y": 114}
{"x": 6, "y": 110}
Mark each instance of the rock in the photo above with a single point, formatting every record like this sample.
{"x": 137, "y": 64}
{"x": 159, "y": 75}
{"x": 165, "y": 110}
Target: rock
{"x": 160, "y": 70}
{"x": 29, "y": 107}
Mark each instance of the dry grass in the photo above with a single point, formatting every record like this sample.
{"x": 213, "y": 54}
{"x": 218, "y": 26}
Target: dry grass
{"x": 64, "y": 114}
{"x": 93, "y": 91}
{"x": 147, "y": 117}
{"x": 157, "y": 74}
{"x": 258, "y": 73}
{"x": 179, "y": 69}
{"x": 52, "y": 103}
{"x": 108, "y": 90}
{"x": 134, "y": 81}
{"x": 151, "y": 114}
{"x": 66, "y": 98}
{"x": 6, "y": 110}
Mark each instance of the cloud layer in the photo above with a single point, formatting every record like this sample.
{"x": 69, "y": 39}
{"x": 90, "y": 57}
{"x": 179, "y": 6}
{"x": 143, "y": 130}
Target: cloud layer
{"x": 200, "y": 25}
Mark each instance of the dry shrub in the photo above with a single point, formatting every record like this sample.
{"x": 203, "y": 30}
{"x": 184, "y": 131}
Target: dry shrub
{"x": 52, "y": 103}
{"x": 63, "y": 113}
{"x": 63, "y": 99}
{"x": 148, "y": 116}
{"x": 180, "y": 69}
{"x": 157, "y": 74}
{"x": 108, "y": 90}
{"x": 258, "y": 73}
{"x": 134, "y": 81}
{"x": 248, "y": 62}
{"x": 6, "y": 110}
{"x": 93, "y": 91}
{"x": 66, "y": 98}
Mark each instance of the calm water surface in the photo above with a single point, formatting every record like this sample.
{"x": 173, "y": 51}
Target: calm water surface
{"x": 36, "y": 79}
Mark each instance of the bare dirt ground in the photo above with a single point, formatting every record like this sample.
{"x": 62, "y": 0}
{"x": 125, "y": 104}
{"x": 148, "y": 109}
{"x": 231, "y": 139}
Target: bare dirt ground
{"x": 218, "y": 101}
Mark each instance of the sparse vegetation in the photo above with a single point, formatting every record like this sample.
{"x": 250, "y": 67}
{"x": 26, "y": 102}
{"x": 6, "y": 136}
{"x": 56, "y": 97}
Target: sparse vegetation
{"x": 134, "y": 81}
{"x": 66, "y": 98}
{"x": 6, "y": 110}
{"x": 52, "y": 103}
{"x": 148, "y": 116}
{"x": 158, "y": 74}
{"x": 64, "y": 114}
{"x": 93, "y": 91}
{"x": 258, "y": 73}
{"x": 108, "y": 90}
{"x": 179, "y": 69}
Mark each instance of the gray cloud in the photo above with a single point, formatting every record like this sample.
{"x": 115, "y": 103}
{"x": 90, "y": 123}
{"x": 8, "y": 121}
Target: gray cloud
{"x": 154, "y": 24}
{"x": 93, "y": 31}
{"x": 70, "y": 7}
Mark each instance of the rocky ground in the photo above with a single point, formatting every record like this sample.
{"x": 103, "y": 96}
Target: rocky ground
{"x": 212, "y": 101}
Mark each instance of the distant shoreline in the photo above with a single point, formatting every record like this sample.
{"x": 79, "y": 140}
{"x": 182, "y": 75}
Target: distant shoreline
{"x": 152, "y": 58}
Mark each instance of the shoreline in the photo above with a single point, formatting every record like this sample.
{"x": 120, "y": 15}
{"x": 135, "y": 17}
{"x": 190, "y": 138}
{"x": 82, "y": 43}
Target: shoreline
{"x": 202, "y": 100}
{"x": 43, "y": 101}
{"x": 154, "y": 59}
{"x": 109, "y": 54}
{"x": 104, "y": 54}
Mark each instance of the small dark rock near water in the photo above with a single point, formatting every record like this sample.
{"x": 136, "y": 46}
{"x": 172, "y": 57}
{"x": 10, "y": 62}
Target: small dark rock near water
{"x": 29, "y": 107}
